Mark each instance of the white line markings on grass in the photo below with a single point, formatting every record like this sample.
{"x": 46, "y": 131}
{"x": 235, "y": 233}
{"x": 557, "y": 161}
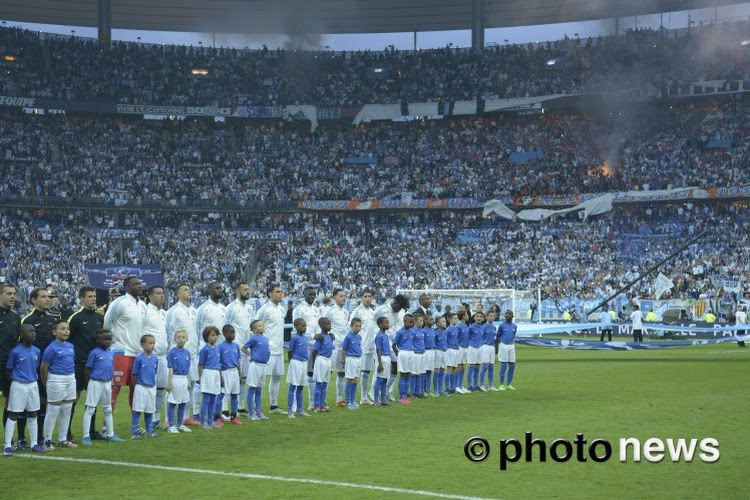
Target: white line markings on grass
{"x": 245, "y": 475}
{"x": 726, "y": 352}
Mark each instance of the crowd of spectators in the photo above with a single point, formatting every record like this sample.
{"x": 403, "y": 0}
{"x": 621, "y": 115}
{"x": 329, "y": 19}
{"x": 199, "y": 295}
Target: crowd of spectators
{"x": 387, "y": 251}
{"x": 128, "y": 159}
{"x": 647, "y": 61}
{"x": 571, "y": 258}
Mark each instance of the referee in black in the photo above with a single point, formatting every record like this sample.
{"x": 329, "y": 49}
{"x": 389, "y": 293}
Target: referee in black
{"x": 10, "y": 325}
{"x": 42, "y": 322}
{"x": 84, "y": 324}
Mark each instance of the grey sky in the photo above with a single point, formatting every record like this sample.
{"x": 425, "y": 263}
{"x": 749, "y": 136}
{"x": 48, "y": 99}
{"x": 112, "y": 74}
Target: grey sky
{"x": 425, "y": 40}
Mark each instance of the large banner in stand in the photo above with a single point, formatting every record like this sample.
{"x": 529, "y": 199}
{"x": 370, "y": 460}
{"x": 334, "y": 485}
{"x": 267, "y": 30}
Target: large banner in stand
{"x": 105, "y": 276}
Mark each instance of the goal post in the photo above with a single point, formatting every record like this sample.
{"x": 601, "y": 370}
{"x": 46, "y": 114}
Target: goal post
{"x": 524, "y": 303}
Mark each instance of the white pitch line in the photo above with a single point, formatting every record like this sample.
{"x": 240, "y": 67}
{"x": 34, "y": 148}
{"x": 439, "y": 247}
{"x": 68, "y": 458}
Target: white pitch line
{"x": 245, "y": 475}
{"x": 744, "y": 353}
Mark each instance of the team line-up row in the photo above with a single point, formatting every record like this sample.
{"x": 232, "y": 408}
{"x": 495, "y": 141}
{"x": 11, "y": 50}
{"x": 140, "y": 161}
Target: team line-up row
{"x": 424, "y": 352}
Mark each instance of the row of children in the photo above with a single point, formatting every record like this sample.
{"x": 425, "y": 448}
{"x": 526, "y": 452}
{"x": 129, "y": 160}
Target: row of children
{"x": 424, "y": 355}
{"x": 54, "y": 369}
{"x": 439, "y": 356}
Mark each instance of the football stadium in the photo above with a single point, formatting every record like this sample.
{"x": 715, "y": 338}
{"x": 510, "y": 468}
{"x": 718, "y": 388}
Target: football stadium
{"x": 486, "y": 249}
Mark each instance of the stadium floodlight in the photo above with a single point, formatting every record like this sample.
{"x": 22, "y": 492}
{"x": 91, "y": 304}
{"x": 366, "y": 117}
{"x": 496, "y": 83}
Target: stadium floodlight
{"x": 745, "y": 42}
{"x": 551, "y": 62}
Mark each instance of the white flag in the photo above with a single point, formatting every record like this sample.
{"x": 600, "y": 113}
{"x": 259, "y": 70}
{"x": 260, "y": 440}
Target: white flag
{"x": 662, "y": 284}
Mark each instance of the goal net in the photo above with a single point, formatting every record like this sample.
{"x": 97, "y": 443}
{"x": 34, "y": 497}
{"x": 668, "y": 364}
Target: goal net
{"x": 523, "y": 303}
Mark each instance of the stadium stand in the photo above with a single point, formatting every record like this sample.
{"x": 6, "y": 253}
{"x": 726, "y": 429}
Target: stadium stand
{"x": 107, "y": 170}
{"x": 74, "y": 68}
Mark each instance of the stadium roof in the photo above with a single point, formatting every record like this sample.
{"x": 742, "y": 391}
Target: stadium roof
{"x": 330, "y": 16}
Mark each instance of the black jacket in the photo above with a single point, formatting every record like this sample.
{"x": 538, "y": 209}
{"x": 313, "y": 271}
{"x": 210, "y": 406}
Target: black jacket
{"x": 42, "y": 323}
{"x": 10, "y": 326}
{"x": 84, "y": 325}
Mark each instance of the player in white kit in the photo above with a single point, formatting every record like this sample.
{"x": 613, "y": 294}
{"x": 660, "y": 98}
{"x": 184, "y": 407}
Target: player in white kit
{"x": 339, "y": 328}
{"x": 183, "y": 316}
{"x": 366, "y": 314}
{"x": 154, "y": 323}
{"x": 239, "y": 314}
{"x": 308, "y": 311}
{"x": 272, "y": 315}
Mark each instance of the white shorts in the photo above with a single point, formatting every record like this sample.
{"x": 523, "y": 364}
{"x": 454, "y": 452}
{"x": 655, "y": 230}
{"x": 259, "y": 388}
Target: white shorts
{"x": 180, "y": 390}
{"x": 474, "y": 355}
{"x": 429, "y": 359}
{"x": 322, "y": 369}
{"x": 211, "y": 381}
{"x": 99, "y": 393}
{"x": 275, "y": 365}
{"x": 386, "y": 360}
{"x": 507, "y": 353}
{"x": 162, "y": 373}
{"x": 24, "y": 396}
{"x": 439, "y": 362}
{"x": 297, "y": 372}
{"x": 463, "y": 355}
{"x": 61, "y": 388}
{"x": 405, "y": 361}
{"x": 231, "y": 378}
{"x": 487, "y": 354}
{"x": 369, "y": 361}
{"x": 392, "y": 356}
{"x": 353, "y": 367}
{"x": 418, "y": 363}
{"x": 337, "y": 364}
{"x": 244, "y": 366}
{"x": 256, "y": 374}
{"x": 451, "y": 357}
{"x": 194, "y": 370}
{"x": 144, "y": 399}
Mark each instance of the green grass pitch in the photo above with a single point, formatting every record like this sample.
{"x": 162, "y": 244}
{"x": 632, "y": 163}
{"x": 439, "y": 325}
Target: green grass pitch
{"x": 694, "y": 392}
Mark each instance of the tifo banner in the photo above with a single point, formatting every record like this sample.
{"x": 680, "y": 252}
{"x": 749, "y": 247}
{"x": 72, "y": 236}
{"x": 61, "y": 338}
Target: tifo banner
{"x": 151, "y": 109}
{"x": 591, "y": 204}
{"x": 639, "y": 196}
{"x": 116, "y": 233}
{"x": 105, "y": 276}
{"x": 377, "y": 112}
{"x": 449, "y": 203}
{"x": 662, "y": 285}
{"x": 579, "y": 345}
{"x": 259, "y": 234}
{"x": 518, "y": 103}
{"x": 18, "y": 102}
{"x": 475, "y": 235}
{"x": 257, "y": 112}
{"x": 295, "y": 112}
{"x": 596, "y": 206}
{"x": 726, "y": 283}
